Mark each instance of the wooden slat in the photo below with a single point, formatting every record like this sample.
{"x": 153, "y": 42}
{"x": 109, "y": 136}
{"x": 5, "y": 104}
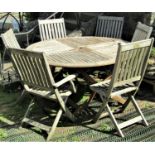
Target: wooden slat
{"x": 130, "y": 122}
{"x": 130, "y": 69}
{"x": 128, "y": 64}
{"x": 26, "y": 69}
{"x": 123, "y": 91}
{"x": 37, "y": 124}
{"x": 39, "y": 74}
{"x": 143, "y": 59}
{"x": 22, "y": 68}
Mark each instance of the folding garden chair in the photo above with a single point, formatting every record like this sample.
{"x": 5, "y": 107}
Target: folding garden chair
{"x": 10, "y": 41}
{"x": 108, "y": 26}
{"x": 38, "y": 80}
{"x": 142, "y": 32}
{"x": 52, "y": 29}
{"x": 129, "y": 69}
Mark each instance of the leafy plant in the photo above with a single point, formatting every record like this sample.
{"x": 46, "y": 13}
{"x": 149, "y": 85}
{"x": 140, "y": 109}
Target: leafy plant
{"x": 105, "y": 127}
{"x": 3, "y": 133}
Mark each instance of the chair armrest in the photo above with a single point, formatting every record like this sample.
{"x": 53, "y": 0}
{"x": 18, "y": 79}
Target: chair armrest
{"x": 66, "y": 79}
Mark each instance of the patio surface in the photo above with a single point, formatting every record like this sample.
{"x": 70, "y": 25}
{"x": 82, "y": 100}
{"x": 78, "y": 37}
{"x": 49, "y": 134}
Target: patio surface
{"x": 12, "y": 113}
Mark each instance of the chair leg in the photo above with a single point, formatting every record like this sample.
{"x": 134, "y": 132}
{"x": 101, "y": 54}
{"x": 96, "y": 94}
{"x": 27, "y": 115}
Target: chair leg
{"x": 105, "y": 105}
{"x": 68, "y": 113}
{"x": 85, "y": 106}
{"x": 51, "y": 132}
{"x": 97, "y": 116}
{"x": 3, "y": 56}
{"x": 27, "y": 111}
{"x": 114, "y": 121}
{"x": 23, "y": 94}
{"x": 138, "y": 110}
{"x": 91, "y": 98}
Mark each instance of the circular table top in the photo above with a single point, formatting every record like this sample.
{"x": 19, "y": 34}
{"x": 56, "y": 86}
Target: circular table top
{"x": 78, "y": 52}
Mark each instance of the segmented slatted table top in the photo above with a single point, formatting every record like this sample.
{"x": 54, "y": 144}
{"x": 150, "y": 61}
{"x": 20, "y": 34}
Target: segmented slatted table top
{"x": 79, "y": 52}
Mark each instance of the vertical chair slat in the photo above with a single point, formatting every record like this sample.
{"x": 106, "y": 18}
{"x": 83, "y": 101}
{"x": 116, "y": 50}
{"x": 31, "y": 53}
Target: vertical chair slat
{"x": 119, "y": 29}
{"x": 100, "y": 33}
{"x": 129, "y": 65}
{"x": 64, "y": 29}
{"x": 107, "y": 29}
{"x": 44, "y": 81}
{"x": 31, "y": 63}
{"x": 126, "y": 68}
{"x": 41, "y": 78}
{"x": 120, "y": 71}
{"x": 43, "y": 32}
{"x": 53, "y": 31}
{"x": 36, "y": 72}
{"x": 24, "y": 70}
{"x": 56, "y": 31}
{"x": 113, "y": 29}
{"x": 59, "y": 30}
{"x": 46, "y": 32}
{"x": 139, "y": 61}
{"x": 50, "y": 30}
{"x": 143, "y": 59}
{"x": 20, "y": 67}
{"x": 132, "y": 64}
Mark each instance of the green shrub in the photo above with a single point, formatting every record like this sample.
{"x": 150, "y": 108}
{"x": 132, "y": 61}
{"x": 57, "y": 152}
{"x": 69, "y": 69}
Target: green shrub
{"x": 3, "y": 133}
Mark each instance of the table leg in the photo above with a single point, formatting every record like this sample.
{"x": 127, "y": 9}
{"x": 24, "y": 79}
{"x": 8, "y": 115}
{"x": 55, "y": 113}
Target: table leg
{"x": 90, "y": 80}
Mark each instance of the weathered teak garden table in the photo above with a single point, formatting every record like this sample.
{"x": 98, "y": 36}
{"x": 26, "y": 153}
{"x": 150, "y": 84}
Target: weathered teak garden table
{"x": 79, "y": 53}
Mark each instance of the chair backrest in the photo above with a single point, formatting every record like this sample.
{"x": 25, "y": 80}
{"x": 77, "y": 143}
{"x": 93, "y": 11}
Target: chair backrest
{"x": 131, "y": 62}
{"x": 33, "y": 69}
{"x": 108, "y": 26}
{"x": 142, "y": 32}
{"x": 52, "y": 29}
{"x": 9, "y": 39}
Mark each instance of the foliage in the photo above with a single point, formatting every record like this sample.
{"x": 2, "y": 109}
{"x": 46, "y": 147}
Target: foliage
{"x": 3, "y": 133}
{"x": 105, "y": 127}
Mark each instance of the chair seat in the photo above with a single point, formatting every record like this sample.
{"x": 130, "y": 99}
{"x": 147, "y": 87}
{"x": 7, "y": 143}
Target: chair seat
{"x": 49, "y": 94}
{"x": 102, "y": 88}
